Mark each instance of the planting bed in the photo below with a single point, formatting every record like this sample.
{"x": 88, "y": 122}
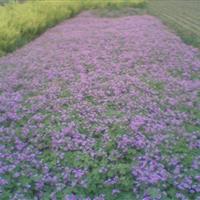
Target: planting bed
{"x": 101, "y": 108}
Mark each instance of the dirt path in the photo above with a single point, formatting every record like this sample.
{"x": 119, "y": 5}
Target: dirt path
{"x": 103, "y": 108}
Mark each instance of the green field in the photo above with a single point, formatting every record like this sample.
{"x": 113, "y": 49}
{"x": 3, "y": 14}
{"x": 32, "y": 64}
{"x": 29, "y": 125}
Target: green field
{"x": 181, "y": 15}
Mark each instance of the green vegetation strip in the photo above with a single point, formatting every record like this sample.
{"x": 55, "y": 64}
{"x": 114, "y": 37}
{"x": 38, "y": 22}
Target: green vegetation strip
{"x": 182, "y": 16}
{"x": 194, "y": 24}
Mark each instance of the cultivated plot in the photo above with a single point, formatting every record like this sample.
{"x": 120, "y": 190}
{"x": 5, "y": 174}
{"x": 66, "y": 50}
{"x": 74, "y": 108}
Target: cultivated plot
{"x": 101, "y": 108}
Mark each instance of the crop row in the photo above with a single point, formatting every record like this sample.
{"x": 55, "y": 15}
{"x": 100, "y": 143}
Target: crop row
{"x": 183, "y": 16}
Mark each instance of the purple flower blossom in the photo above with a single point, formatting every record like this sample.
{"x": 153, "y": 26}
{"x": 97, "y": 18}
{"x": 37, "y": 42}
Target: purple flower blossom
{"x": 3, "y": 182}
{"x": 111, "y": 181}
{"x": 149, "y": 171}
{"x": 137, "y": 141}
{"x": 137, "y": 122}
{"x": 78, "y": 173}
{"x": 115, "y": 191}
{"x": 70, "y": 197}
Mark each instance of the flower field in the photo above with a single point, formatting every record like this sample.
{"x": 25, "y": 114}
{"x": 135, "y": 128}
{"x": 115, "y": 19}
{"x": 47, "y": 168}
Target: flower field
{"x": 101, "y": 109}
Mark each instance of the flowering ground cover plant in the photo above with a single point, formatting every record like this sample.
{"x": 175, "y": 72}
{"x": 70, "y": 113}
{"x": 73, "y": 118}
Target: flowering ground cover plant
{"x": 98, "y": 109}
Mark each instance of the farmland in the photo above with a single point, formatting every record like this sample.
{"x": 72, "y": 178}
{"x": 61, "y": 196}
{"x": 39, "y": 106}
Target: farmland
{"x": 100, "y": 108}
{"x": 181, "y": 15}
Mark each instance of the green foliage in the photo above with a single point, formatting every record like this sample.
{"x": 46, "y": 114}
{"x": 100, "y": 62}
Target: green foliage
{"x": 191, "y": 127}
{"x": 119, "y": 12}
{"x": 50, "y": 158}
{"x": 126, "y": 196}
{"x": 90, "y": 99}
{"x": 193, "y": 112}
{"x": 156, "y": 85}
{"x": 189, "y": 154}
{"x": 112, "y": 110}
{"x": 153, "y": 192}
{"x": 117, "y": 130}
{"x": 21, "y": 22}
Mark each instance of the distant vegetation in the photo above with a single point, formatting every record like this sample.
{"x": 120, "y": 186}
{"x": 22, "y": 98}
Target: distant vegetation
{"x": 181, "y": 16}
{"x": 19, "y": 23}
